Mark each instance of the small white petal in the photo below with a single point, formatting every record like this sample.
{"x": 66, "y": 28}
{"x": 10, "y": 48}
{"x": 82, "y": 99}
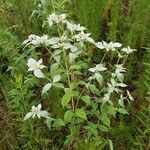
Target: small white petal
{"x": 44, "y": 113}
{"x": 40, "y": 61}
{"x": 25, "y": 42}
{"x": 28, "y": 115}
{"x": 73, "y": 49}
{"x": 42, "y": 66}
{"x": 116, "y": 44}
{"x": 92, "y": 69}
{"x": 100, "y": 67}
{"x": 53, "y": 41}
{"x": 106, "y": 97}
{"x": 31, "y": 63}
{"x": 122, "y": 85}
{"x": 72, "y": 57}
{"x": 39, "y": 114}
{"x": 33, "y": 108}
{"x": 90, "y": 40}
{"x": 39, "y": 106}
{"x": 99, "y": 45}
{"x": 38, "y": 73}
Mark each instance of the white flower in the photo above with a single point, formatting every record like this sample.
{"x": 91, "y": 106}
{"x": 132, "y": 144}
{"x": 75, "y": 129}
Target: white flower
{"x": 54, "y": 18}
{"x": 37, "y": 40}
{"x": 61, "y": 45}
{"x": 73, "y": 56}
{"x": 30, "y": 38}
{"x": 56, "y": 55}
{"x": 61, "y": 42}
{"x": 43, "y": 40}
{"x": 83, "y": 37}
{"x": 119, "y": 72}
{"x": 36, "y": 67}
{"x": 74, "y": 27}
{"x": 106, "y": 97}
{"x": 128, "y": 50}
{"x": 113, "y": 86}
{"x": 108, "y": 46}
{"x": 99, "y": 45}
{"x": 53, "y": 41}
{"x": 36, "y": 111}
{"x": 98, "y": 68}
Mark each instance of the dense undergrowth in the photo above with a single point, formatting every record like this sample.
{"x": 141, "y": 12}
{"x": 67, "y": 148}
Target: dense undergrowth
{"x": 126, "y": 21}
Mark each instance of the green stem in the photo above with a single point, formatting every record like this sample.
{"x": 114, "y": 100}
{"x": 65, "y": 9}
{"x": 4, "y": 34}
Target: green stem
{"x": 103, "y": 57}
{"x": 125, "y": 60}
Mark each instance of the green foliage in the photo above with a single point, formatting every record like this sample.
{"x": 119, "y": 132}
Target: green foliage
{"x": 142, "y": 129}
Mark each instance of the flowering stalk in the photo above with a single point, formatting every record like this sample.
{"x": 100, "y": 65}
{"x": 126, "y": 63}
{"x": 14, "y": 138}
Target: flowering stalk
{"x": 65, "y": 51}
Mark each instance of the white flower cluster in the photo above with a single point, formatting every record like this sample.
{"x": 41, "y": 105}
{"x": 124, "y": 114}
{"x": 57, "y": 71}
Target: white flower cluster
{"x": 117, "y": 83}
{"x": 71, "y": 42}
{"x": 96, "y": 72}
{"x": 43, "y": 40}
{"x": 75, "y": 27}
{"x": 36, "y": 111}
{"x": 108, "y": 46}
{"x": 54, "y": 18}
{"x": 36, "y": 67}
{"x": 83, "y": 37}
{"x": 113, "y": 47}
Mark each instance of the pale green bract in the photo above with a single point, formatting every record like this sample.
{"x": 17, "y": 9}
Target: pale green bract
{"x": 36, "y": 111}
{"x": 54, "y": 18}
{"x": 36, "y": 67}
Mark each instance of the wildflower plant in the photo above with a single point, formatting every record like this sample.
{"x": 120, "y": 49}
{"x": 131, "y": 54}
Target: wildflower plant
{"x": 93, "y": 93}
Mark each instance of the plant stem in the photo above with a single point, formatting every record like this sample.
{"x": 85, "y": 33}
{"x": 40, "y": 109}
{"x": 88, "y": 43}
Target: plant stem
{"x": 103, "y": 57}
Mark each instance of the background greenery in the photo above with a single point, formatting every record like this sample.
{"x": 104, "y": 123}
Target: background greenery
{"x": 126, "y": 21}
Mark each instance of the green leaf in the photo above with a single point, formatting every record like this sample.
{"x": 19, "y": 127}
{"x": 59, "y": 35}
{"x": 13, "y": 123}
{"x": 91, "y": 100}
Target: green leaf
{"x": 59, "y": 85}
{"x": 76, "y": 67}
{"x": 92, "y": 130}
{"x": 86, "y": 99}
{"x": 54, "y": 67}
{"x": 105, "y": 120}
{"x": 93, "y": 89}
{"x": 111, "y": 110}
{"x": 121, "y": 102}
{"x": 111, "y": 145}
{"x": 46, "y": 88}
{"x": 81, "y": 113}
{"x": 58, "y": 122}
{"x": 67, "y": 97}
{"x": 120, "y": 77}
{"x": 68, "y": 116}
{"x": 56, "y": 78}
{"x": 122, "y": 111}
{"x": 49, "y": 122}
{"x": 103, "y": 128}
